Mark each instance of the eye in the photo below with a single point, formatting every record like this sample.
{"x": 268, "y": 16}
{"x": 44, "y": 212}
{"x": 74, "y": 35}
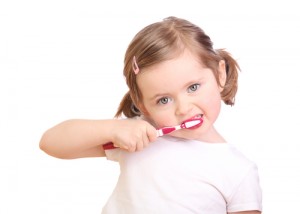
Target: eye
{"x": 193, "y": 88}
{"x": 164, "y": 100}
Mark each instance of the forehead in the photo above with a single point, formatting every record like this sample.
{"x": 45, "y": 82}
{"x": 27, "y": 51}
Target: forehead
{"x": 170, "y": 74}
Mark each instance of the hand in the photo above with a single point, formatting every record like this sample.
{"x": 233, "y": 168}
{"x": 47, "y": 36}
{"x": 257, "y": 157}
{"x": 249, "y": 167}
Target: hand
{"x": 133, "y": 134}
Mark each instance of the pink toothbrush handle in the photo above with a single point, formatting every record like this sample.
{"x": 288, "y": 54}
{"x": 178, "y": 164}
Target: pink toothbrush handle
{"x": 163, "y": 131}
{"x": 108, "y": 146}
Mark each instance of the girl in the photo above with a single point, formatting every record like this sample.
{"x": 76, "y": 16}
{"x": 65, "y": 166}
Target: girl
{"x": 174, "y": 75}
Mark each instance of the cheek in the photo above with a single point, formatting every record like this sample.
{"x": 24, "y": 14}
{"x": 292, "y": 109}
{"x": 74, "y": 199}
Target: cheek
{"x": 211, "y": 105}
{"x": 161, "y": 119}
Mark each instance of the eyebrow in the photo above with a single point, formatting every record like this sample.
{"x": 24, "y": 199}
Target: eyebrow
{"x": 189, "y": 83}
{"x": 157, "y": 96}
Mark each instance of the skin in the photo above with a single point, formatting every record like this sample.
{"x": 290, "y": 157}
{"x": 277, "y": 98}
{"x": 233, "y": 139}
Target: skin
{"x": 173, "y": 91}
{"x": 180, "y": 89}
{"x": 84, "y": 138}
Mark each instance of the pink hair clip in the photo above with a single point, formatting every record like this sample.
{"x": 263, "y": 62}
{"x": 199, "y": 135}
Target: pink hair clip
{"x": 135, "y": 67}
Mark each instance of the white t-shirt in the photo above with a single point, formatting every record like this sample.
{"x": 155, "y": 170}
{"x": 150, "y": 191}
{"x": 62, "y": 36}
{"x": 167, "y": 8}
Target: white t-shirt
{"x": 179, "y": 176}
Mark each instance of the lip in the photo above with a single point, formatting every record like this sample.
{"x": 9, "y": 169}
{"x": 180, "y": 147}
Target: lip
{"x": 193, "y": 118}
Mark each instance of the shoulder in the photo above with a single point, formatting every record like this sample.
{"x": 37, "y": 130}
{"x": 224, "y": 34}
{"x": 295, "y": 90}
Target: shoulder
{"x": 245, "y": 183}
{"x": 238, "y": 166}
{"x": 237, "y": 158}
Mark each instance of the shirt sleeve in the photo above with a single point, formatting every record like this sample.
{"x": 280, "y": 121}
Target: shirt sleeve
{"x": 248, "y": 195}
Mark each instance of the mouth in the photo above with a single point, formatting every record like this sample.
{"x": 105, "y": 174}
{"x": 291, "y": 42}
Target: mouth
{"x": 195, "y": 118}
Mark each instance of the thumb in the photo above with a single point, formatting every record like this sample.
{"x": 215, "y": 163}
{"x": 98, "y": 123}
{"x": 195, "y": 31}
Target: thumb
{"x": 152, "y": 133}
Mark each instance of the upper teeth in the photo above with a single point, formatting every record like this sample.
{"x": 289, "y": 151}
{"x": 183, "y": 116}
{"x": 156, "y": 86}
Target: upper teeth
{"x": 199, "y": 116}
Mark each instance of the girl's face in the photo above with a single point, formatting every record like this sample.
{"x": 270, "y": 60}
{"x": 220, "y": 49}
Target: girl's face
{"x": 181, "y": 89}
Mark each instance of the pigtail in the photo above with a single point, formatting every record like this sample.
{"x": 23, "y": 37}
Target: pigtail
{"x": 231, "y": 84}
{"x": 127, "y": 107}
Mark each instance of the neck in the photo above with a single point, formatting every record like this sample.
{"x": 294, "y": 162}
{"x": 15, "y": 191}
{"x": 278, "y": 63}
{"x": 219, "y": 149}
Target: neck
{"x": 212, "y": 136}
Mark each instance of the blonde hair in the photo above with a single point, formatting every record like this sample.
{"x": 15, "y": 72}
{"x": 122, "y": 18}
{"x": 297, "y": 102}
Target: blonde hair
{"x": 165, "y": 40}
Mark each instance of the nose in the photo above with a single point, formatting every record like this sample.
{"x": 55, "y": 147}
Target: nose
{"x": 183, "y": 107}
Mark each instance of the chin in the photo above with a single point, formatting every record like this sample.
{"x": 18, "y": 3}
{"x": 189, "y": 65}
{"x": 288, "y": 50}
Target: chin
{"x": 188, "y": 136}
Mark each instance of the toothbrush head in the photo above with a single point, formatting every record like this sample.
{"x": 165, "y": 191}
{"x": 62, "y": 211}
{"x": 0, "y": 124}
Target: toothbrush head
{"x": 191, "y": 123}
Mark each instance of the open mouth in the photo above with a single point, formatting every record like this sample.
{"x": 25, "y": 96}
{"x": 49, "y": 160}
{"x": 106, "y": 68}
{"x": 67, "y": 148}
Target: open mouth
{"x": 199, "y": 116}
{"x": 193, "y": 122}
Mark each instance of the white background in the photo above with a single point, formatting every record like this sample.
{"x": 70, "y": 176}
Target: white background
{"x": 63, "y": 59}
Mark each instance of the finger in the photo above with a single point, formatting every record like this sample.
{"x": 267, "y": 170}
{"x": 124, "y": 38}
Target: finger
{"x": 140, "y": 144}
{"x": 145, "y": 141}
{"x": 151, "y": 134}
{"x": 120, "y": 145}
{"x": 132, "y": 147}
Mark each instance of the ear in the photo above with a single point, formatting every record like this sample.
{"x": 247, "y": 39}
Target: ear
{"x": 222, "y": 74}
{"x": 142, "y": 109}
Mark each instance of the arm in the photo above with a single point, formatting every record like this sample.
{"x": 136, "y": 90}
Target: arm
{"x": 85, "y": 138}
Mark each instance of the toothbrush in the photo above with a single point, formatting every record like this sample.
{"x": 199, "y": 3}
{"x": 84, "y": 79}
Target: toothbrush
{"x": 166, "y": 130}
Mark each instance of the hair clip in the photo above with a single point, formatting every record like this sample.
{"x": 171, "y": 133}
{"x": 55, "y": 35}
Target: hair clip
{"x": 135, "y": 67}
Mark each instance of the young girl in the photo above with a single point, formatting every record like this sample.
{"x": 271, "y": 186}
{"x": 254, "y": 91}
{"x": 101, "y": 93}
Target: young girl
{"x": 174, "y": 75}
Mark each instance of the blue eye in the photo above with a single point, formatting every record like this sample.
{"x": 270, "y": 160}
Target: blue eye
{"x": 164, "y": 100}
{"x": 193, "y": 88}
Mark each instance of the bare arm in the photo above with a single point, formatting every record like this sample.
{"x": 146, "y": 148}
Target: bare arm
{"x": 84, "y": 138}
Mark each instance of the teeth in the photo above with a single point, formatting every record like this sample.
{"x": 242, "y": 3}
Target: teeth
{"x": 199, "y": 116}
